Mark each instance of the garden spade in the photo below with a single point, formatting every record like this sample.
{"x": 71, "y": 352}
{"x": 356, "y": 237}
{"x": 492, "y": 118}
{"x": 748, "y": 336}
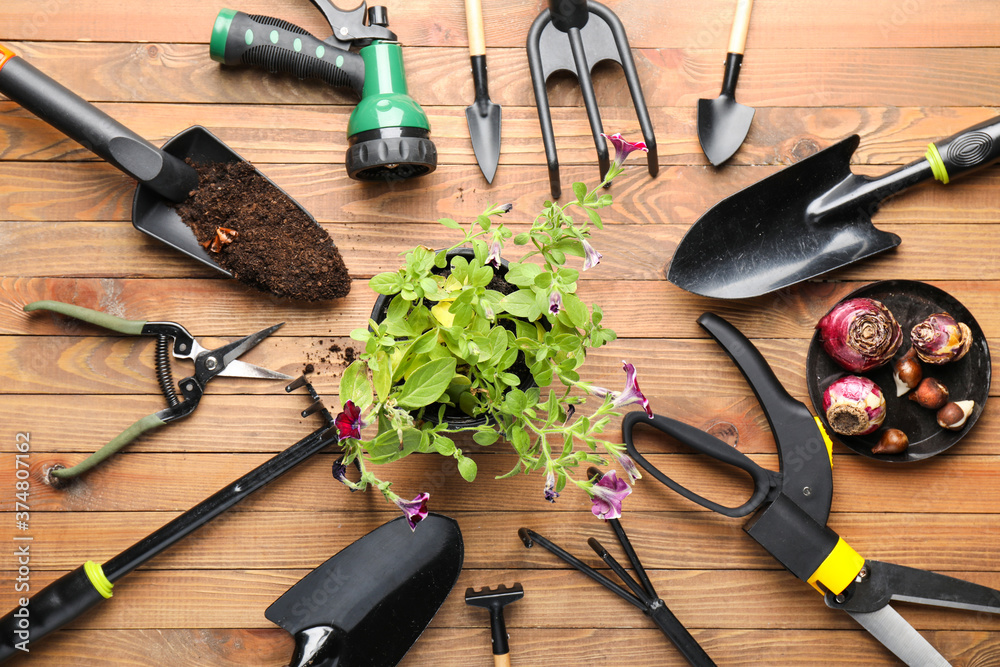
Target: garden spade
{"x": 810, "y": 218}
{"x": 163, "y": 175}
{"x": 723, "y": 123}
{"x": 368, "y": 604}
{"x": 483, "y": 115}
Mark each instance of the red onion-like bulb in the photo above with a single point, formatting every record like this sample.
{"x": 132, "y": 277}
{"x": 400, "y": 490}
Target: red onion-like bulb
{"x": 854, "y": 405}
{"x": 940, "y": 339}
{"x": 860, "y": 334}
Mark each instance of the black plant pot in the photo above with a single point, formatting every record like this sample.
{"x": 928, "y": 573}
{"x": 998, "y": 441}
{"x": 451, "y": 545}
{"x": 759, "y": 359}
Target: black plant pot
{"x": 454, "y": 416}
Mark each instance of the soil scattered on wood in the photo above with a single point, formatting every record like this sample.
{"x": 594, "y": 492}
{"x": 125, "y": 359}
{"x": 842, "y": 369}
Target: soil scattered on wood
{"x": 261, "y": 236}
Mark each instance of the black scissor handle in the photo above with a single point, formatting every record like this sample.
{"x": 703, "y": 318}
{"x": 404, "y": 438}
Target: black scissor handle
{"x": 764, "y": 480}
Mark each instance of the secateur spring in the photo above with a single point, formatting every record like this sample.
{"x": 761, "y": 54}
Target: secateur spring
{"x": 164, "y": 374}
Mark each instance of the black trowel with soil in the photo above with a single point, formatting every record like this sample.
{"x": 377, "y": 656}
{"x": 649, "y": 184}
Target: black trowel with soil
{"x": 368, "y": 604}
{"x": 165, "y": 178}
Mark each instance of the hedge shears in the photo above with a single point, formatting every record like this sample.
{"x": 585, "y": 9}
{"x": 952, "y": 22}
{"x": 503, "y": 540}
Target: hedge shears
{"x": 791, "y": 506}
{"x": 208, "y": 364}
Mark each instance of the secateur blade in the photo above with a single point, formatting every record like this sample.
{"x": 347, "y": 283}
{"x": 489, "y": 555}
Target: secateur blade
{"x": 368, "y": 604}
{"x": 574, "y": 36}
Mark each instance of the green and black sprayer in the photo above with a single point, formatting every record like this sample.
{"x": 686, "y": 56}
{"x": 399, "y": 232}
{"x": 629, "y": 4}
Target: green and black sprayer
{"x": 388, "y": 133}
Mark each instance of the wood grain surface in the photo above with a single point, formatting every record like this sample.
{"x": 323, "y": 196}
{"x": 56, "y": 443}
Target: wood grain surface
{"x": 899, "y": 74}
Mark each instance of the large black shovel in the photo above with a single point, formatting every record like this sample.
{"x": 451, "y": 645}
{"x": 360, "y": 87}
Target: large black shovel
{"x": 810, "y": 218}
{"x": 368, "y": 604}
{"x": 163, "y": 176}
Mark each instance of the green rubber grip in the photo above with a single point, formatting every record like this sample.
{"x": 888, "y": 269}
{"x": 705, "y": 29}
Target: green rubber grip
{"x": 131, "y": 327}
{"x": 279, "y": 46}
{"x": 128, "y": 435}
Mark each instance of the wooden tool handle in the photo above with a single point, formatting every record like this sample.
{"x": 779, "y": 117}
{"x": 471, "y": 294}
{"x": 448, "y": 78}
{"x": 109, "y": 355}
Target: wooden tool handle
{"x": 741, "y": 25}
{"x": 474, "y": 23}
{"x": 501, "y": 660}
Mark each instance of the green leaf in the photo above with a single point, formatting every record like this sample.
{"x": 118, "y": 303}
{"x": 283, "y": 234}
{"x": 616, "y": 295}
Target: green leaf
{"x": 467, "y": 468}
{"x": 354, "y": 385}
{"x": 519, "y": 440}
{"x": 521, "y": 239}
{"x": 580, "y": 191}
{"x": 543, "y": 280}
{"x": 362, "y": 335}
{"x": 510, "y": 379}
{"x": 449, "y": 223}
{"x": 425, "y": 343}
{"x": 484, "y": 222}
{"x": 522, "y": 275}
{"x": 382, "y": 376}
{"x": 426, "y": 384}
{"x": 576, "y": 310}
{"x": 441, "y": 259}
{"x": 443, "y": 446}
{"x": 542, "y": 372}
{"x": 515, "y": 401}
{"x": 486, "y": 438}
{"x": 521, "y": 304}
{"x": 386, "y": 283}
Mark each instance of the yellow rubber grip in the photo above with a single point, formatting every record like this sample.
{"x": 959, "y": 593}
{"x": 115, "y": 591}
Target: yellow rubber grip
{"x": 933, "y": 155}
{"x": 838, "y": 570}
{"x": 96, "y": 575}
{"x": 826, "y": 439}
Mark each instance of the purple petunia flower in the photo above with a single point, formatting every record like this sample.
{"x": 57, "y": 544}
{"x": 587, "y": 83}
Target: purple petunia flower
{"x": 591, "y": 257}
{"x": 414, "y": 510}
{"x": 608, "y": 494}
{"x": 550, "y": 487}
{"x": 624, "y": 147}
{"x": 629, "y": 395}
{"x": 340, "y": 471}
{"x": 349, "y": 422}
{"x": 555, "y": 302}
{"x": 493, "y": 257}
{"x": 630, "y": 468}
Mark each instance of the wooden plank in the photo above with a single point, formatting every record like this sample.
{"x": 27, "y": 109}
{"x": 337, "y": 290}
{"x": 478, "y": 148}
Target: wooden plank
{"x": 225, "y": 307}
{"x": 779, "y": 648}
{"x": 111, "y": 488}
{"x": 685, "y": 24}
{"x": 316, "y": 134}
{"x": 778, "y": 136}
{"x": 553, "y": 598}
{"x": 114, "y": 250}
{"x": 679, "y": 195}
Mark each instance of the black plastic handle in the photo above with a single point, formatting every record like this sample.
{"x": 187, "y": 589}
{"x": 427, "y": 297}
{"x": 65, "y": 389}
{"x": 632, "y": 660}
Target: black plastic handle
{"x": 54, "y": 606}
{"x": 763, "y": 480}
{"x": 568, "y": 14}
{"x": 95, "y": 130}
{"x": 969, "y": 150}
{"x": 803, "y": 448}
{"x": 279, "y": 46}
{"x": 679, "y": 635}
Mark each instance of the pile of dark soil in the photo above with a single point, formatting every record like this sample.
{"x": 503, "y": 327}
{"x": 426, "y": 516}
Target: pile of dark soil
{"x": 276, "y": 246}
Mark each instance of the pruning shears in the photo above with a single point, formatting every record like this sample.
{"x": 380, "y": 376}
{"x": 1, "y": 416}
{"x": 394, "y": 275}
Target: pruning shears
{"x": 208, "y": 364}
{"x": 791, "y": 506}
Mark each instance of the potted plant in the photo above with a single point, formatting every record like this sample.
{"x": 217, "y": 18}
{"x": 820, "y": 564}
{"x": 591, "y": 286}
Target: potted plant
{"x": 462, "y": 341}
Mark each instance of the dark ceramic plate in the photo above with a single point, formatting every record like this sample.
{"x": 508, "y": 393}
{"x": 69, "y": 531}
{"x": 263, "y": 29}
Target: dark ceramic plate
{"x": 966, "y": 379}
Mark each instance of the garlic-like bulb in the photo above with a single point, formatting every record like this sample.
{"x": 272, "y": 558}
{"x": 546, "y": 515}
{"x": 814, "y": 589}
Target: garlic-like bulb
{"x": 860, "y": 334}
{"x": 854, "y": 405}
{"x": 940, "y": 339}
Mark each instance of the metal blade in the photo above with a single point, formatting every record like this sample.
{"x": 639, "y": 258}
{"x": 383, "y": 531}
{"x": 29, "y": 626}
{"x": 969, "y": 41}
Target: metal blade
{"x": 887, "y": 626}
{"x": 761, "y": 239}
{"x": 723, "y": 125}
{"x": 231, "y": 367}
{"x": 484, "y": 129}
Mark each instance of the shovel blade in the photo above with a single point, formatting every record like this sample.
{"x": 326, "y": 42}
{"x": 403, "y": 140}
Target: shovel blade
{"x": 368, "y": 604}
{"x": 761, "y": 239}
{"x": 484, "y": 129}
{"x": 723, "y": 125}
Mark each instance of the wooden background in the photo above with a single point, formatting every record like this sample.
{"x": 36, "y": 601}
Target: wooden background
{"x": 899, "y": 72}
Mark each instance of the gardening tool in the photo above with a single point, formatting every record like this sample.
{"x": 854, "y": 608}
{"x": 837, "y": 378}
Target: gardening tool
{"x": 810, "y": 218}
{"x": 483, "y": 116}
{"x": 163, "y": 176}
{"x": 368, "y": 605}
{"x": 576, "y": 35}
{"x": 642, "y": 594}
{"x": 388, "y": 134}
{"x": 75, "y": 593}
{"x": 791, "y": 506}
{"x": 722, "y": 123}
{"x": 494, "y": 600}
{"x": 208, "y": 364}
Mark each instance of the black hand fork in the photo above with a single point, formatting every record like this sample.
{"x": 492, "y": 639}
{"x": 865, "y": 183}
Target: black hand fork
{"x": 73, "y": 594}
{"x": 593, "y": 33}
{"x": 642, "y": 594}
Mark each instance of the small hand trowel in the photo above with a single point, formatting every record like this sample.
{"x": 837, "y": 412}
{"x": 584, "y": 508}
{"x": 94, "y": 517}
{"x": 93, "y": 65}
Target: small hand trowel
{"x": 163, "y": 176}
{"x": 366, "y": 606}
{"x": 810, "y": 218}
{"x": 482, "y": 115}
{"x": 723, "y": 123}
